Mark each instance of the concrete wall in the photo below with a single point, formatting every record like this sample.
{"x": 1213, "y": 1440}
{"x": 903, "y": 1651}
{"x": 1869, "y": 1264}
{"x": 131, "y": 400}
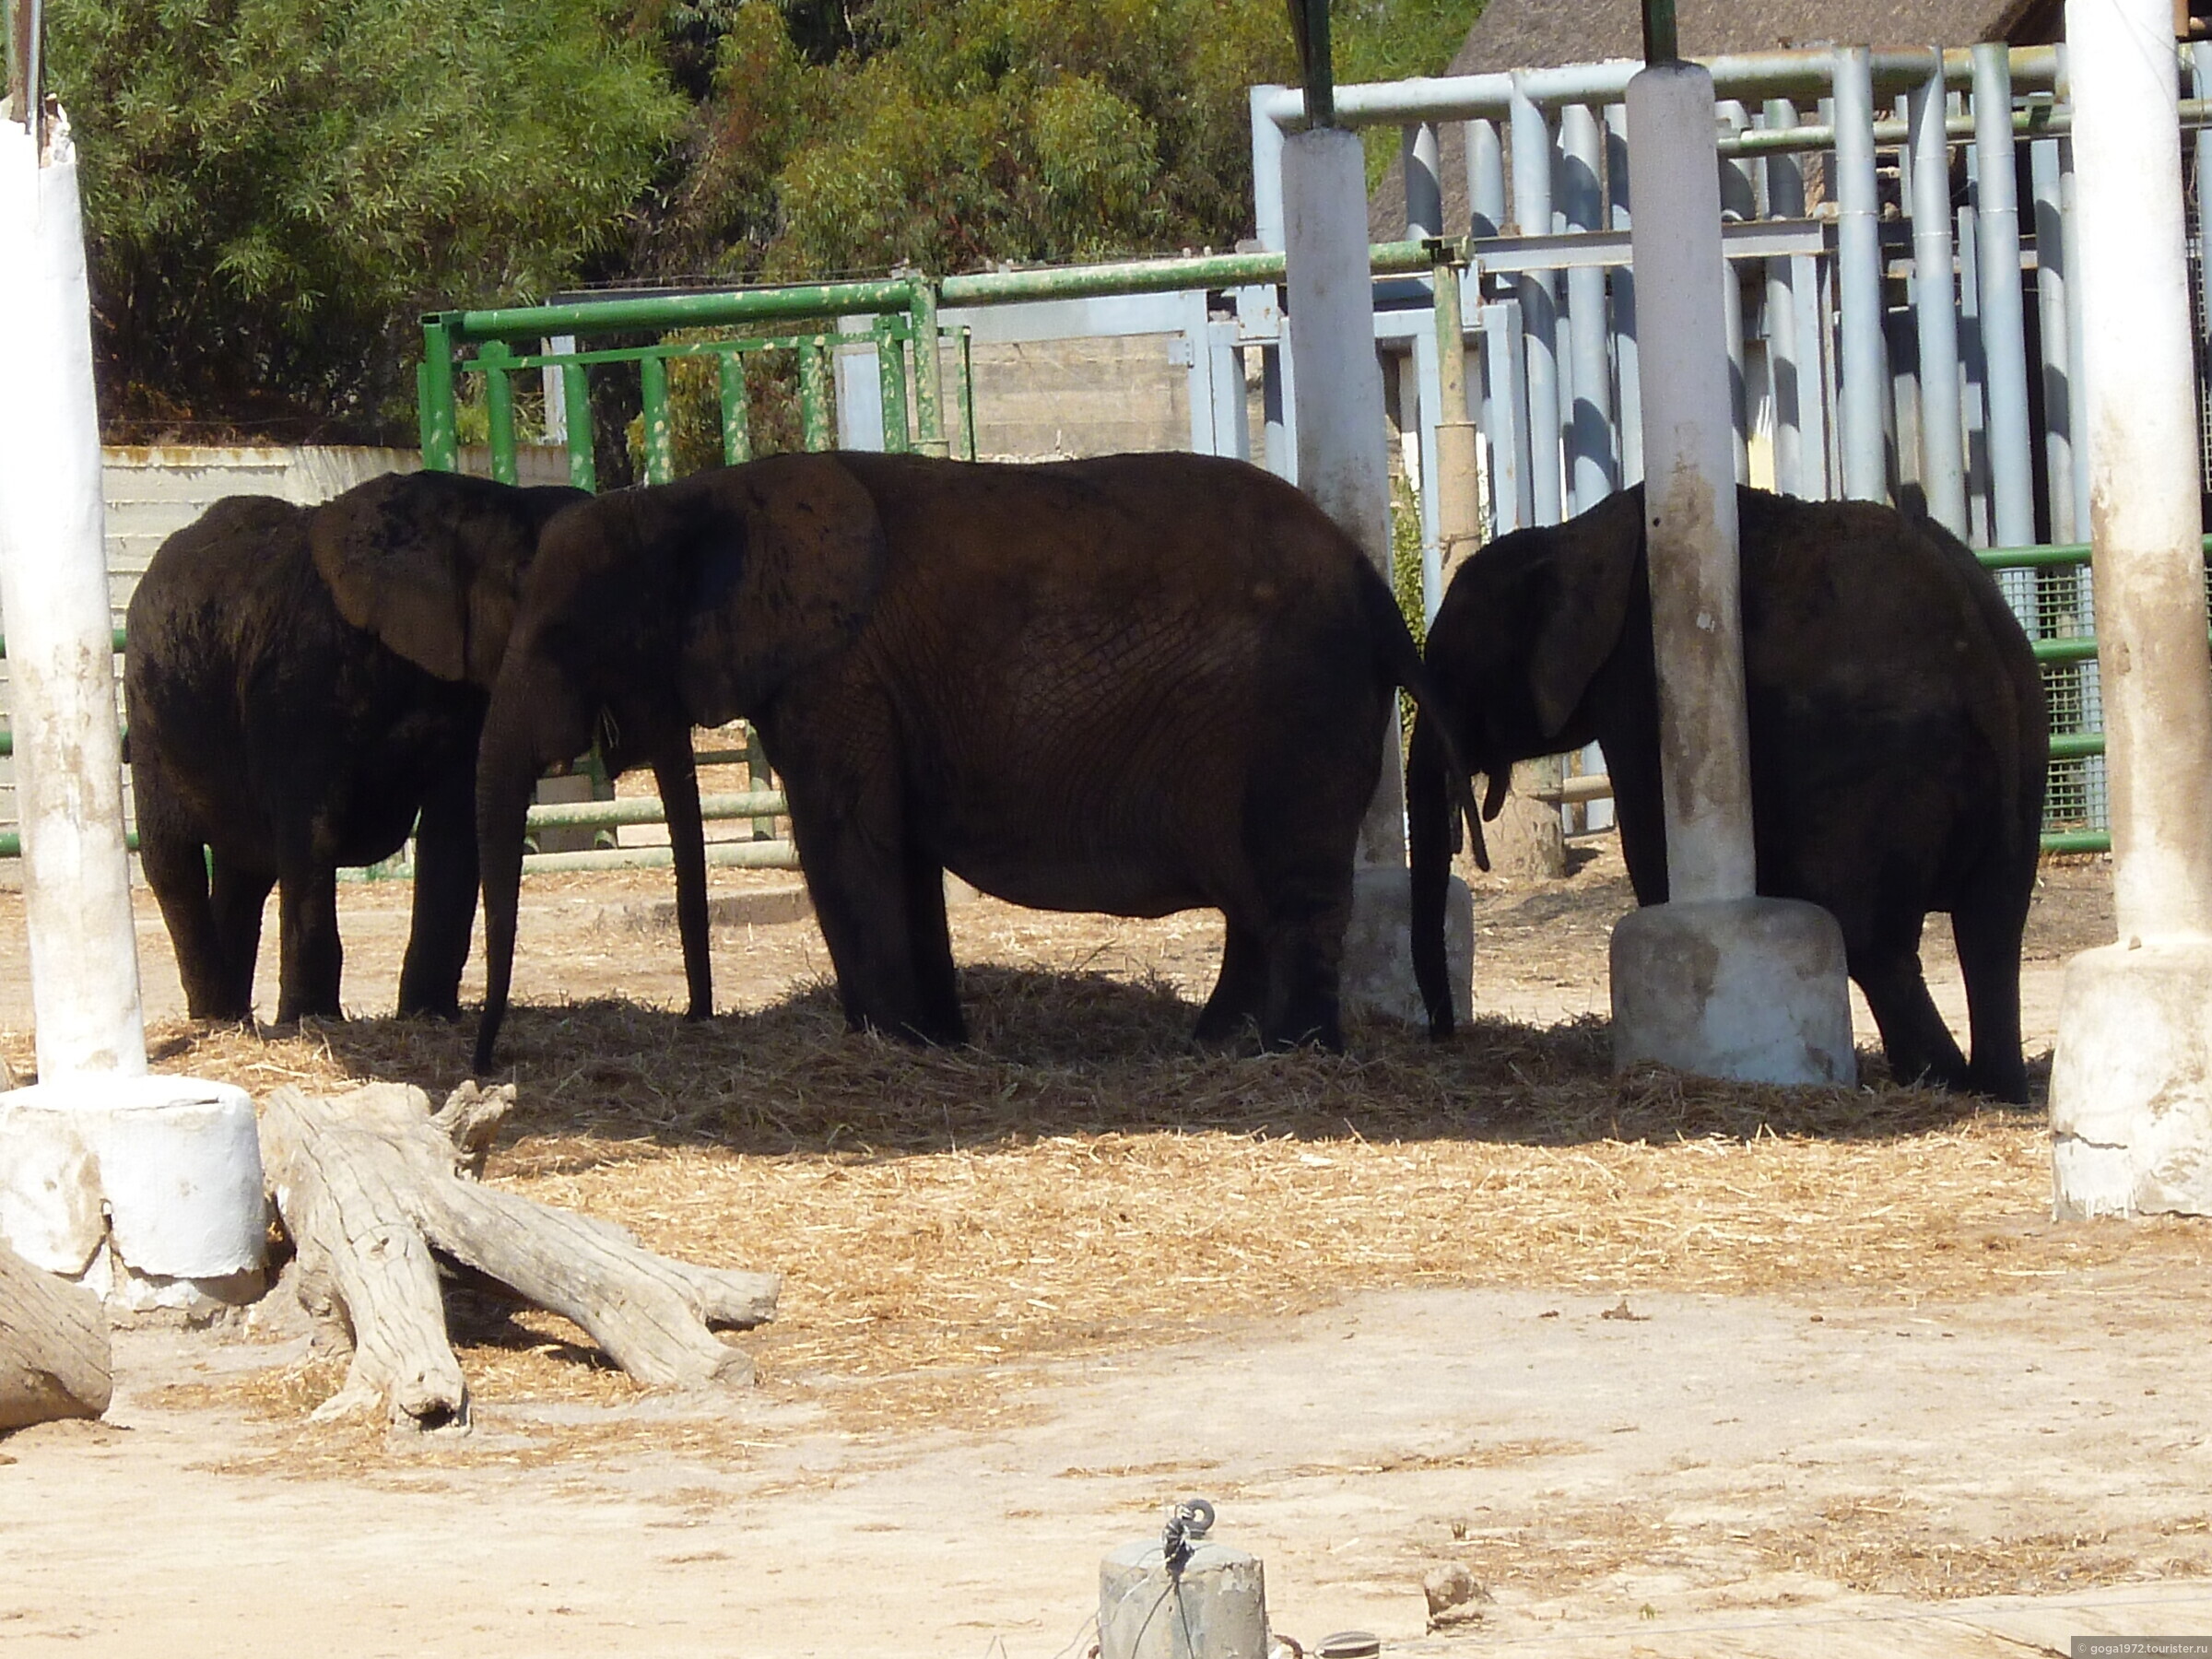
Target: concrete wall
{"x": 1038, "y": 400}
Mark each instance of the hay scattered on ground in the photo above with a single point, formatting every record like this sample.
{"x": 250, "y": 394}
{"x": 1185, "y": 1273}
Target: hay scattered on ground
{"x": 1081, "y": 1179}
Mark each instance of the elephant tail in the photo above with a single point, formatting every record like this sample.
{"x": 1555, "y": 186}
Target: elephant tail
{"x": 1429, "y": 841}
{"x": 1436, "y": 788}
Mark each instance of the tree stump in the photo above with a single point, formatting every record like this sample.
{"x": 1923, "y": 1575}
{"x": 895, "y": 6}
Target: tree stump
{"x": 371, "y": 1184}
{"x": 53, "y": 1347}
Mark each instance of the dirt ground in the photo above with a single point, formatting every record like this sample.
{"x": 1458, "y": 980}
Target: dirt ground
{"x": 1666, "y": 1367}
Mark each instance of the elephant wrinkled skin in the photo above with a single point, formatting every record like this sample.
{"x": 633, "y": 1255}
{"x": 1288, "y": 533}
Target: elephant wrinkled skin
{"x": 300, "y": 684}
{"x": 1898, "y": 728}
{"x": 1136, "y": 685}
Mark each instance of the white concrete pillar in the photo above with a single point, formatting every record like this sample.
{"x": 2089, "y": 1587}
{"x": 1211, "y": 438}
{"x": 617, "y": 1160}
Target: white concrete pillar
{"x": 1344, "y": 463}
{"x": 101, "y": 1166}
{"x": 1716, "y": 981}
{"x": 2131, "y": 1084}
{"x": 54, "y": 604}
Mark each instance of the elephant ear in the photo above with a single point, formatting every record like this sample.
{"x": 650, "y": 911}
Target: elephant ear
{"x": 784, "y": 570}
{"x": 430, "y": 562}
{"x": 1594, "y": 571}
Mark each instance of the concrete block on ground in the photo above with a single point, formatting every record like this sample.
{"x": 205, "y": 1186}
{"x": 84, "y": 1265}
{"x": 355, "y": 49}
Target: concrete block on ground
{"x": 1377, "y": 974}
{"x": 1752, "y": 989}
{"x": 2131, "y": 1081}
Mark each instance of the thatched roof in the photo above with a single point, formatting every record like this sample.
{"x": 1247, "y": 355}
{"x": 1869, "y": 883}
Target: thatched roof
{"x": 1537, "y": 34}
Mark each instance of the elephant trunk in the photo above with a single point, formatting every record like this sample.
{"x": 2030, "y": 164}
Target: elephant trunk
{"x": 1429, "y": 812}
{"x": 508, "y": 764}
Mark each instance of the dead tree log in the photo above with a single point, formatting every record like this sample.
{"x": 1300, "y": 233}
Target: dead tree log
{"x": 54, "y": 1358}
{"x": 372, "y": 1183}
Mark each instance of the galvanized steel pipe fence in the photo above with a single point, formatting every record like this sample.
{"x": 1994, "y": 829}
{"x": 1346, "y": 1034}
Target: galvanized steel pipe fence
{"x": 1903, "y": 328}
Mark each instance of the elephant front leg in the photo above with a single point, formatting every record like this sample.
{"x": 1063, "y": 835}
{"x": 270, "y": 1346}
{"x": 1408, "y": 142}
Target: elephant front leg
{"x": 676, "y": 775}
{"x": 310, "y": 954}
{"x": 445, "y": 898}
{"x": 1240, "y": 998}
{"x": 1917, "y": 1044}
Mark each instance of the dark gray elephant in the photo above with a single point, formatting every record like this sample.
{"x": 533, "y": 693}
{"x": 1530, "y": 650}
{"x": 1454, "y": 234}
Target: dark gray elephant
{"x": 301, "y": 683}
{"x": 1898, "y": 740}
{"x": 1136, "y": 685}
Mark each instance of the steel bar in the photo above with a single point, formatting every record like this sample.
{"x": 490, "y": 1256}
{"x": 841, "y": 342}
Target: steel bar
{"x": 1595, "y": 471}
{"x": 2003, "y": 310}
{"x": 1862, "y": 372}
{"x": 1505, "y": 395}
{"x": 1486, "y": 180}
{"x": 660, "y": 438}
{"x": 1627, "y": 362}
{"x": 647, "y": 809}
{"x": 731, "y": 854}
{"x": 1787, "y": 383}
{"x": 1936, "y": 300}
{"x": 1424, "y": 188}
{"x": 576, "y": 404}
{"x": 2054, "y": 315}
{"x": 1752, "y": 75}
{"x": 1539, "y": 309}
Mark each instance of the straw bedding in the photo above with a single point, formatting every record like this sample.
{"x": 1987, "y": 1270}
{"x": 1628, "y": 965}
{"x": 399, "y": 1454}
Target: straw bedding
{"x": 1081, "y": 1178}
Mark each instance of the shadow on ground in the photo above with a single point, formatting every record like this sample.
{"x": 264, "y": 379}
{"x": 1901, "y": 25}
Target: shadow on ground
{"x": 1064, "y": 1053}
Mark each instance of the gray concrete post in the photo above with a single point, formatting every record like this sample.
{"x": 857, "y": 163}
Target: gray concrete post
{"x": 1716, "y": 981}
{"x": 1342, "y": 463}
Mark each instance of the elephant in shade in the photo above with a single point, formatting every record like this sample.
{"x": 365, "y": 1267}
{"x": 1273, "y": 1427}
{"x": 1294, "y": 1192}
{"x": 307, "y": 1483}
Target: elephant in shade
{"x": 302, "y": 685}
{"x": 1898, "y": 728}
{"x": 1137, "y": 684}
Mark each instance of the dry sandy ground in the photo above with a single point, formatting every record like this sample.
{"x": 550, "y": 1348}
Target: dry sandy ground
{"x": 1625, "y": 1464}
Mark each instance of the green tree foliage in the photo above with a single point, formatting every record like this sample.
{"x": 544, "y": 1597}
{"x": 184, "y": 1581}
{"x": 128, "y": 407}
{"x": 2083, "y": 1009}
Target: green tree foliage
{"x": 949, "y": 134}
{"x": 275, "y": 188}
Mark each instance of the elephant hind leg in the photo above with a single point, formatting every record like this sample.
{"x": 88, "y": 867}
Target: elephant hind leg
{"x": 872, "y": 902}
{"x": 1986, "y": 928}
{"x": 240, "y": 893}
{"x": 1919, "y": 1046}
{"x": 1240, "y": 998}
{"x": 929, "y": 940}
{"x": 1305, "y": 955}
{"x": 176, "y": 862}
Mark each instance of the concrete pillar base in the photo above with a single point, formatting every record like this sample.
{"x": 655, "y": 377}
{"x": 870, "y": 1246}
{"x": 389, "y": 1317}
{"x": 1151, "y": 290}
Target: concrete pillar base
{"x": 148, "y": 1190}
{"x": 1215, "y": 1609}
{"x": 1377, "y": 974}
{"x": 2131, "y": 1081}
{"x": 1751, "y": 990}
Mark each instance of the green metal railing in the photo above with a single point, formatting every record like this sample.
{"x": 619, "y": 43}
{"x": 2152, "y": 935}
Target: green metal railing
{"x": 2058, "y": 652}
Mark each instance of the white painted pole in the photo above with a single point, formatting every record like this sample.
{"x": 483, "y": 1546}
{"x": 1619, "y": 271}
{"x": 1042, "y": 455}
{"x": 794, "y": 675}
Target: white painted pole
{"x": 53, "y": 601}
{"x": 1715, "y": 980}
{"x": 149, "y": 1189}
{"x": 2130, "y": 1085}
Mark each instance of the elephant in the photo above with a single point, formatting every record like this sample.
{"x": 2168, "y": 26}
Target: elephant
{"x": 300, "y": 684}
{"x": 1899, "y": 737}
{"x": 1134, "y": 684}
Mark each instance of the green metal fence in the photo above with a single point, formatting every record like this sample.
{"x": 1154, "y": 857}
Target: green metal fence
{"x": 2066, "y": 646}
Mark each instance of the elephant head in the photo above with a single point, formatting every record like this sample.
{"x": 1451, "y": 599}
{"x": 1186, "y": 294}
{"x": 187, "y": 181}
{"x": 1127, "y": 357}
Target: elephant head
{"x": 431, "y": 563}
{"x": 648, "y": 612}
{"x": 1525, "y": 629}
